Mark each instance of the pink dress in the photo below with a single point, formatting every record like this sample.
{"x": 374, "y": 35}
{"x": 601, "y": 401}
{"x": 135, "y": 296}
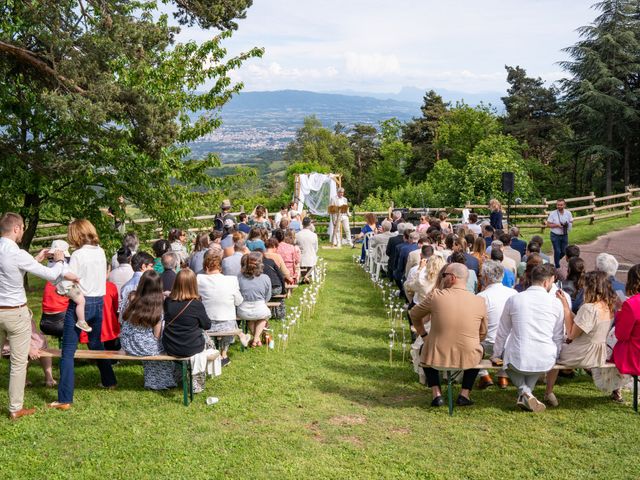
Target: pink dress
{"x": 291, "y": 256}
{"x": 626, "y": 352}
{"x": 38, "y": 340}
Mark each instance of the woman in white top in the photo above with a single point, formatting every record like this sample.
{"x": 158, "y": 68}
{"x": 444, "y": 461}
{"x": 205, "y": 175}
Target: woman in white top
{"x": 220, "y": 296}
{"x": 423, "y": 280}
{"x": 90, "y": 264}
{"x": 177, "y": 239}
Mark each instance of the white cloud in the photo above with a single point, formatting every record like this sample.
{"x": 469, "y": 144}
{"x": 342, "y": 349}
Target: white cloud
{"x": 275, "y": 71}
{"x": 374, "y": 65}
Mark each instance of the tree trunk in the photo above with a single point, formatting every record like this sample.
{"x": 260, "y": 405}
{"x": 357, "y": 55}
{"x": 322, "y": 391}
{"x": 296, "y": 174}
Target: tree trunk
{"x": 608, "y": 180}
{"x": 31, "y": 218}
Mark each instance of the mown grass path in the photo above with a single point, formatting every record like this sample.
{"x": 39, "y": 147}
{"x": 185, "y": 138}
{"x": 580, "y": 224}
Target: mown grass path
{"x": 331, "y": 406}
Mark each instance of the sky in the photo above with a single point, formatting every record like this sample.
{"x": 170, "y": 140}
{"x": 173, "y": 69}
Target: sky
{"x": 381, "y": 46}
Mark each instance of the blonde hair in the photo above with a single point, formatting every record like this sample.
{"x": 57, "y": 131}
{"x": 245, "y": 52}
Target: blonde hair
{"x": 82, "y": 232}
{"x": 495, "y": 205}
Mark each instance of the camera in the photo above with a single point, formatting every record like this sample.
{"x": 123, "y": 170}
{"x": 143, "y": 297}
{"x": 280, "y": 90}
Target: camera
{"x": 565, "y": 228}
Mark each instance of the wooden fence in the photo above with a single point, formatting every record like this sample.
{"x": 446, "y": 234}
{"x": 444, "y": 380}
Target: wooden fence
{"x": 588, "y": 207}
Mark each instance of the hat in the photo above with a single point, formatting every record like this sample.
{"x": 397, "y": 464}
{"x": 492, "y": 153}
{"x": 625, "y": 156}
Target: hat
{"x": 60, "y": 245}
{"x": 225, "y": 204}
{"x": 229, "y": 223}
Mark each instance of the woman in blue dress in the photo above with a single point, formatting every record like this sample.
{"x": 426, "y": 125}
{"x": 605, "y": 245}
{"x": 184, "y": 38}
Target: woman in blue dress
{"x": 370, "y": 227}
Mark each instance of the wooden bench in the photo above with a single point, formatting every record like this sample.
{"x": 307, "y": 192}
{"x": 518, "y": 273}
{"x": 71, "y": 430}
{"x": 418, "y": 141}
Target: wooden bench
{"x": 487, "y": 365}
{"x": 187, "y": 377}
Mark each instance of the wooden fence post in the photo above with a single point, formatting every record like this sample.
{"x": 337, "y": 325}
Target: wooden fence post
{"x": 546, "y": 212}
{"x": 629, "y": 196}
{"x": 593, "y": 212}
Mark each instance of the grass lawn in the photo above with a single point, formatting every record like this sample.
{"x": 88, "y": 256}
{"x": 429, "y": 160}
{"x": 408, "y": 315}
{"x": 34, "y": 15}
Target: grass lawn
{"x": 331, "y": 406}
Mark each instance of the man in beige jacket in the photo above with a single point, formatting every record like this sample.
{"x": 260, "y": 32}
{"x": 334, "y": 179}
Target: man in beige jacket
{"x": 458, "y": 325}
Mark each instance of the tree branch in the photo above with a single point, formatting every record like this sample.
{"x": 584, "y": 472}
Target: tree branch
{"x": 25, "y": 56}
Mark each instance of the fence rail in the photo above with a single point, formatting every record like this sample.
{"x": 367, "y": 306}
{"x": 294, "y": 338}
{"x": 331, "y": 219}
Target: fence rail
{"x": 590, "y": 206}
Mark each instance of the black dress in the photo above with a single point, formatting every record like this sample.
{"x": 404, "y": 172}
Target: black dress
{"x": 183, "y": 336}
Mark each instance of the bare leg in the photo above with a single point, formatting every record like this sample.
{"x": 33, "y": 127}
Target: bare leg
{"x": 552, "y": 376}
{"x": 435, "y": 392}
{"x": 45, "y": 362}
{"x": 76, "y": 295}
{"x": 260, "y": 324}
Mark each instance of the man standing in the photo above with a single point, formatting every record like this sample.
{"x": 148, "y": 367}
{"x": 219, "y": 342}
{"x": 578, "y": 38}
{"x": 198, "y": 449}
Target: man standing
{"x": 560, "y": 221}
{"x": 530, "y": 335}
{"x": 458, "y": 325}
{"x": 307, "y": 240}
{"x": 340, "y": 219}
{"x": 495, "y": 295}
{"x": 225, "y": 214}
{"x": 15, "y": 317}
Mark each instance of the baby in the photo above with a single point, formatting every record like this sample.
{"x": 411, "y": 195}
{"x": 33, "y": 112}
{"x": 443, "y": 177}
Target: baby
{"x": 70, "y": 289}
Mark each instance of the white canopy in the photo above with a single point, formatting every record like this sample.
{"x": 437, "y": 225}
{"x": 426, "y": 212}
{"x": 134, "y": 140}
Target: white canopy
{"x": 316, "y": 192}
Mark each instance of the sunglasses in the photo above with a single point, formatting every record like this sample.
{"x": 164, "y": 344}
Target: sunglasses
{"x": 444, "y": 274}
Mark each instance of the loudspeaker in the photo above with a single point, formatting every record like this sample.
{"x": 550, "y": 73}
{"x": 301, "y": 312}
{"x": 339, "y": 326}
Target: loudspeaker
{"x": 507, "y": 182}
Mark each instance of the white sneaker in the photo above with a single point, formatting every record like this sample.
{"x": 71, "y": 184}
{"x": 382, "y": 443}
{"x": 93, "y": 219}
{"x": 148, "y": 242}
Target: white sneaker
{"x": 534, "y": 404}
{"x": 522, "y": 404}
{"x": 551, "y": 400}
{"x": 244, "y": 339}
{"x": 84, "y": 326}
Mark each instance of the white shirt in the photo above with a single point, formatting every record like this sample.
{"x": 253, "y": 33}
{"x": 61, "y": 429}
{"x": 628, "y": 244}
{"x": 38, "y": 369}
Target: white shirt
{"x": 220, "y": 296}
{"x": 308, "y": 243}
{"x": 474, "y": 228}
{"x": 14, "y": 263}
{"x": 564, "y": 217}
{"x": 339, "y": 202}
{"x": 495, "y": 296}
{"x": 531, "y": 331}
{"x": 90, "y": 264}
{"x": 121, "y": 275}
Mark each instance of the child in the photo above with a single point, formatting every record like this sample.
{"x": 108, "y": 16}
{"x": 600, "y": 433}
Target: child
{"x": 70, "y": 289}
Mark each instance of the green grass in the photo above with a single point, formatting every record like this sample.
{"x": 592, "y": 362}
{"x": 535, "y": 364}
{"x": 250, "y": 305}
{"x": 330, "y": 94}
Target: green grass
{"x": 331, "y": 406}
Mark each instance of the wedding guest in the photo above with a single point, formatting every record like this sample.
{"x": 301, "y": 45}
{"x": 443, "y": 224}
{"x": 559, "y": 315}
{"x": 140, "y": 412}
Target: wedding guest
{"x": 120, "y": 275}
{"x": 160, "y": 247}
{"x": 177, "y": 239}
{"x": 530, "y": 335}
{"x": 458, "y": 326}
{"x": 289, "y": 252}
{"x": 200, "y": 248}
{"x": 255, "y": 288}
{"x": 129, "y": 241}
{"x": 142, "y": 331}
{"x": 495, "y": 218}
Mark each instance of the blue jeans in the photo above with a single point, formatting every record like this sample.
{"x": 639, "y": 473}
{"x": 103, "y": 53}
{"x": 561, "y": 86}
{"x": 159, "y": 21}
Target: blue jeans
{"x": 70, "y": 337}
{"x": 560, "y": 243}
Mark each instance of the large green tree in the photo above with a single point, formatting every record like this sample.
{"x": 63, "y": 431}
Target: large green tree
{"x": 98, "y": 101}
{"x": 601, "y": 100}
{"x": 364, "y": 144}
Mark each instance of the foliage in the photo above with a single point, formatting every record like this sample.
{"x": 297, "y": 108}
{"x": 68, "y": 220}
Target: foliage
{"x": 363, "y": 141}
{"x": 394, "y": 156}
{"x": 445, "y": 180}
{"x": 95, "y": 104}
{"x": 462, "y": 128}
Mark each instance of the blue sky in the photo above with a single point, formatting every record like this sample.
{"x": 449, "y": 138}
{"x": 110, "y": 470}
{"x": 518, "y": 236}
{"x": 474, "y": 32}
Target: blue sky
{"x": 381, "y": 45}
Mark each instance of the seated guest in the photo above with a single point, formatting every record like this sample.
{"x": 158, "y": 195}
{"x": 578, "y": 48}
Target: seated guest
{"x": 516, "y": 242}
{"x": 255, "y": 288}
{"x": 307, "y": 241}
{"x": 530, "y": 335}
{"x": 626, "y": 352}
{"x": 129, "y": 241}
{"x": 473, "y": 224}
{"x": 487, "y": 234}
{"x": 140, "y": 262}
{"x": 414, "y": 257}
{"x": 507, "y": 262}
{"x": 586, "y": 343}
{"x": 159, "y": 247}
{"x": 392, "y": 243}
{"x": 215, "y": 240}
{"x": 525, "y": 278}
{"x": 445, "y": 226}
{"x": 532, "y": 249}
{"x": 289, "y": 252}
{"x": 508, "y": 250}
{"x": 178, "y": 239}
{"x": 402, "y": 254}
{"x": 423, "y": 277}
{"x": 277, "y": 278}
{"x": 472, "y": 280}
{"x": 508, "y": 279}
{"x": 220, "y": 296}
{"x": 170, "y": 265}
{"x": 609, "y": 265}
{"x": 396, "y": 219}
{"x": 200, "y": 248}
{"x": 296, "y": 224}
{"x": 572, "y": 251}
{"x": 540, "y": 241}
{"x": 424, "y": 224}
{"x": 260, "y": 218}
{"x": 142, "y": 329}
{"x": 284, "y": 224}
{"x": 272, "y": 254}
{"x": 185, "y": 320}
{"x": 254, "y": 241}
{"x": 460, "y": 246}
{"x": 458, "y": 326}
{"x": 231, "y": 265}
{"x": 123, "y": 272}
{"x": 478, "y": 251}
{"x": 370, "y": 227}
{"x": 495, "y": 295}
{"x": 574, "y": 279}
{"x": 243, "y": 226}
{"x": 283, "y": 213}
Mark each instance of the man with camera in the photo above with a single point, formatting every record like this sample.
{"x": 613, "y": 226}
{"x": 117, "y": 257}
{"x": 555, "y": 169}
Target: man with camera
{"x": 560, "y": 221}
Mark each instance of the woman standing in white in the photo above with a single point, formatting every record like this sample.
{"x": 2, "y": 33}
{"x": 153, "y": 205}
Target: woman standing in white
{"x": 220, "y": 296}
{"x": 89, "y": 263}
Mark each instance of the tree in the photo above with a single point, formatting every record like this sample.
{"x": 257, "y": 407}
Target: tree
{"x": 99, "y": 101}
{"x": 389, "y": 170}
{"x": 422, "y": 134}
{"x": 363, "y": 143}
{"x": 462, "y": 128}
{"x": 532, "y": 114}
{"x": 601, "y": 103}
